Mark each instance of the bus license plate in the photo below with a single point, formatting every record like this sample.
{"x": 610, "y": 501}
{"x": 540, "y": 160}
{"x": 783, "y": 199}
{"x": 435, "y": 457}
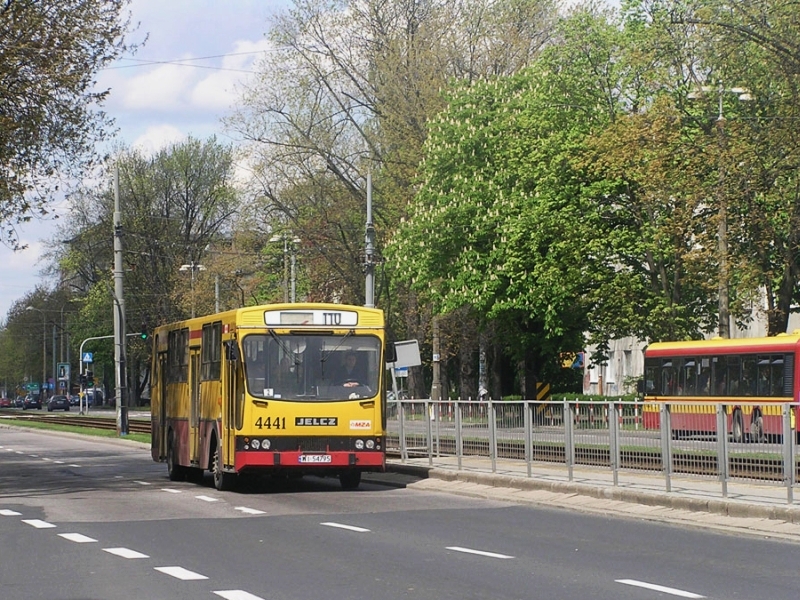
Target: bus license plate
{"x": 315, "y": 458}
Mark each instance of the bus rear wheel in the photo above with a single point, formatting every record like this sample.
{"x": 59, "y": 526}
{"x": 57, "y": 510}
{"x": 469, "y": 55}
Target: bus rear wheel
{"x": 737, "y": 427}
{"x": 222, "y": 481}
{"x": 174, "y": 470}
{"x": 350, "y": 480}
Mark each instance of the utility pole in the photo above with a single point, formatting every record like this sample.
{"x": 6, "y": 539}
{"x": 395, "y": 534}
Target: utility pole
{"x": 369, "y": 254}
{"x": 121, "y": 376}
{"x": 436, "y": 392}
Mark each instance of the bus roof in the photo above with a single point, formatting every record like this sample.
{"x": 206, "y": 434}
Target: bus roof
{"x": 778, "y": 343}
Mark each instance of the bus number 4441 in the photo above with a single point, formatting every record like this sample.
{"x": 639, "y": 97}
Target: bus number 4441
{"x": 271, "y": 423}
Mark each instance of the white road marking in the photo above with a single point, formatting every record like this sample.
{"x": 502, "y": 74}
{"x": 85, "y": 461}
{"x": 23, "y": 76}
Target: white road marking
{"x": 170, "y": 490}
{"x": 237, "y": 595}
{"x": 143, "y": 482}
{"x": 348, "y": 527}
{"x": 249, "y": 511}
{"x": 125, "y": 553}
{"x": 478, "y": 552}
{"x": 659, "y": 588}
{"x": 77, "y": 537}
{"x": 181, "y": 573}
{"x": 59, "y": 462}
{"x": 207, "y": 498}
{"x": 7, "y": 512}
{"x": 47, "y": 459}
{"x": 33, "y": 455}
{"x": 76, "y": 466}
{"x": 19, "y": 452}
{"x": 39, "y": 524}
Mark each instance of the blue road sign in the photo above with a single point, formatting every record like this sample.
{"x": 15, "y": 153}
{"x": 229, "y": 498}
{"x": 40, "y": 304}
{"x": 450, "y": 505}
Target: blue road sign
{"x": 87, "y": 357}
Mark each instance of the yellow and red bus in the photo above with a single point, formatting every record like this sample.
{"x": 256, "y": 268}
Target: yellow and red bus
{"x": 273, "y": 389}
{"x": 751, "y": 377}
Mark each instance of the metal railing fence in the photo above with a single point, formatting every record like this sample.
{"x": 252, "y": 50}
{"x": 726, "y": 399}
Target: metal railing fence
{"x": 750, "y": 443}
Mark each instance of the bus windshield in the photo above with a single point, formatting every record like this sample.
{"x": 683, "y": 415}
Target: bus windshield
{"x": 312, "y": 367}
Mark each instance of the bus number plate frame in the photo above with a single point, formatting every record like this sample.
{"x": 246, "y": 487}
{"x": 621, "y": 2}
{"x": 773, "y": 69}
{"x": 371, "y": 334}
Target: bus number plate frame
{"x": 315, "y": 458}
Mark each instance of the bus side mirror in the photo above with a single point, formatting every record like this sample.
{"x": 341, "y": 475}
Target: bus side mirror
{"x": 391, "y": 353}
{"x": 231, "y": 350}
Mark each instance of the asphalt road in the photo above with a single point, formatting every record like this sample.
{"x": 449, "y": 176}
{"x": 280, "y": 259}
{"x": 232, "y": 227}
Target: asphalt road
{"x": 83, "y": 519}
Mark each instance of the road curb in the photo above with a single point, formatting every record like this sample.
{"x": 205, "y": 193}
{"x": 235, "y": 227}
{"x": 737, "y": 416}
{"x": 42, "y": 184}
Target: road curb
{"x": 715, "y": 506}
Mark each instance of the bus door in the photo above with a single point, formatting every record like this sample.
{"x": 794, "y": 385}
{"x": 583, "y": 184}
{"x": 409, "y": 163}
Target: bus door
{"x": 159, "y": 436}
{"x": 232, "y": 390}
{"x": 194, "y": 411}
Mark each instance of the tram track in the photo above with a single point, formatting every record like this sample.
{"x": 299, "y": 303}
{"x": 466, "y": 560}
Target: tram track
{"x": 104, "y": 423}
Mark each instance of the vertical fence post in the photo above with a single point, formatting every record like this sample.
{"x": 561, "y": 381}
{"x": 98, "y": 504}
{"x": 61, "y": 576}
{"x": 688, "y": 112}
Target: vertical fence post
{"x": 437, "y": 414}
{"x": 401, "y": 425}
{"x": 569, "y": 440}
{"x": 528, "y": 423}
{"x": 612, "y": 411}
{"x": 789, "y": 466}
{"x": 459, "y": 437}
{"x": 666, "y": 446}
{"x": 493, "y": 434}
{"x": 429, "y": 430}
{"x": 722, "y": 449}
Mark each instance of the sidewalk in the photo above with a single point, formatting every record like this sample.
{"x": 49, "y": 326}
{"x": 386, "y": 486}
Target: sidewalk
{"x": 751, "y": 509}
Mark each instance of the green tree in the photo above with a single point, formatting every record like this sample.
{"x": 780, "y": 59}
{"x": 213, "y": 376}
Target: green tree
{"x": 50, "y": 53}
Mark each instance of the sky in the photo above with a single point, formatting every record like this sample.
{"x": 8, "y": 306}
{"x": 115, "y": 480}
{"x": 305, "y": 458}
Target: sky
{"x": 154, "y": 105}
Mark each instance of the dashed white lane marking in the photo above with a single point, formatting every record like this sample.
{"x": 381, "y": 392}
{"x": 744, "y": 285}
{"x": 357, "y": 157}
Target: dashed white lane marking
{"x": 76, "y": 466}
{"x": 478, "y": 552}
{"x": 143, "y": 482}
{"x": 170, "y": 490}
{"x": 659, "y": 588}
{"x": 348, "y": 527}
{"x": 38, "y": 523}
{"x": 19, "y": 452}
{"x": 237, "y": 595}
{"x": 207, "y": 498}
{"x": 59, "y": 462}
{"x": 181, "y": 573}
{"x": 7, "y": 512}
{"x": 33, "y": 455}
{"x": 77, "y": 537}
{"x": 125, "y": 553}
{"x": 249, "y": 511}
{"x": 47, "y": 459}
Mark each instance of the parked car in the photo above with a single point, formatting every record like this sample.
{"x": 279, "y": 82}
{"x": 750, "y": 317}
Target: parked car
{"x": 19, "y": 401}
{"x": 32, "y": 401}
{"x": 6, "y": 402}
{"x": 74, "y": 400}
{"x": 58, "y": 402}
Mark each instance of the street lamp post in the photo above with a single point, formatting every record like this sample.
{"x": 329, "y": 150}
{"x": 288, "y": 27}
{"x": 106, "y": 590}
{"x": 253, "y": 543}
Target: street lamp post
{"x": 294, "y": 240}
{"x": 722, "y": 226}
{"x": 192, "y": 267}
{"x": 44, "y": 348}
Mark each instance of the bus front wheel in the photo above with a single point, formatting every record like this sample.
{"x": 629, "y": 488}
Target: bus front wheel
{"x": 222, "y": 481}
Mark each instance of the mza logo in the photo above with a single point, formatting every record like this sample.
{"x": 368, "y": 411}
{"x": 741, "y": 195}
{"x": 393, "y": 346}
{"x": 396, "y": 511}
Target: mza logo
{"x": 316, "y": 421}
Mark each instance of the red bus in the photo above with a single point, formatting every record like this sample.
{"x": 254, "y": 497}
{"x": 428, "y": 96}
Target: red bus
{"x": 752, "y": 377}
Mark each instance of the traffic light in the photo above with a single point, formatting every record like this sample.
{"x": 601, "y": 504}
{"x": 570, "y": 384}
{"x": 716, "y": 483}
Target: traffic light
{"x": 89, "y": 378}
{"x": 143, "y": 335}
{"x": 82, "y": 379}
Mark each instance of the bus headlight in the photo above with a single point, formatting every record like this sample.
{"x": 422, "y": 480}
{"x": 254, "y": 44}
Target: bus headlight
{"x": 265, "y": 444}
{"x": 359, "y": 444}
{"x": 370, "y": 444}
{"x": 255, "y": 444}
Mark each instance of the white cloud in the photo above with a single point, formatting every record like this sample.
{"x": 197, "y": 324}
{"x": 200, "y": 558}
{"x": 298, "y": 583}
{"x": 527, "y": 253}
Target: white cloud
{"x": 163, "y": 89}
{"x": 157, "y": 137}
